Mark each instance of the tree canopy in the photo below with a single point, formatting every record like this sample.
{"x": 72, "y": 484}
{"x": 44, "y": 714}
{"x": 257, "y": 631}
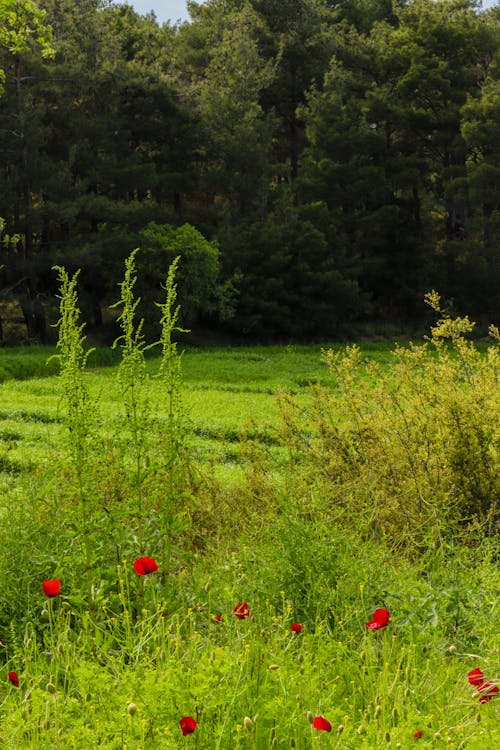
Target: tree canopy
{"x": 316, "y": 163}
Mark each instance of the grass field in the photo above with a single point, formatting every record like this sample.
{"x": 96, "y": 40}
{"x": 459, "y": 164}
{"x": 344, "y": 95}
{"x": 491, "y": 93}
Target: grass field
{"x": 228, "y": 394}
{"x": 121, "y": 660}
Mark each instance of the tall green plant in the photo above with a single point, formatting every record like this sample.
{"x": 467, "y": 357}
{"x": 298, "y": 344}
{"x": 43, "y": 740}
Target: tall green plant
{"x": 173, "y": 443}
{"x": 169, "y": 372}
{"x": 79, "y": 405}
{"x": 132, "y": 379}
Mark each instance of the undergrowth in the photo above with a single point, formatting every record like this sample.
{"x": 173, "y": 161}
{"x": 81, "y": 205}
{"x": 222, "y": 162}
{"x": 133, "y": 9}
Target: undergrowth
{"x": 244, "y": 607}
{"x": 411, "y": 451}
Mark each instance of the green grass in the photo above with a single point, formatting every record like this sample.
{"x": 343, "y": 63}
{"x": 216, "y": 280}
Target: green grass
{"x": 245, "y": 530}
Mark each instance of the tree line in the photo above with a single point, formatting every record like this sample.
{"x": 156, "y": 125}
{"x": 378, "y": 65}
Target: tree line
{"x": 315, "y": 164}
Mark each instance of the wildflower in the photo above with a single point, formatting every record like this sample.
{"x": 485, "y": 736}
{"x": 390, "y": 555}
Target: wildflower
{"x": 487, "y": 690}
{"x": 242, "y": 610}
{"x": 322, "y": 724}
{"x": 187, "y": 725}
{"x": 380, "y": 619}
{"x": 418, "y": 734}
{"x": 51, "y": 588}
{"x": 145, "y": 565}
{"x": 217, "y": 618}
{"x": 13, "y": 678}
{"x": 476, "y": 676}
{"x": 296, "y": 627}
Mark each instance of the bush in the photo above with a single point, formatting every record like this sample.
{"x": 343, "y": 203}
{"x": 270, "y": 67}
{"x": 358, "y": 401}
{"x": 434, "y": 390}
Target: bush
{"x": 412, "y": 450}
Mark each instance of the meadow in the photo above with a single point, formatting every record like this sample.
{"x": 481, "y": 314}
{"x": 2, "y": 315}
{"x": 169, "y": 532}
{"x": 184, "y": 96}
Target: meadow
{"x": 255, "y": 547}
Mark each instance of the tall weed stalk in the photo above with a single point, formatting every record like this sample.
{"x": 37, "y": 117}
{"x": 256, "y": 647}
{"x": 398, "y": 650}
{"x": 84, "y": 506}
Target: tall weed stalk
{"x": 132, "y": 379}
{"x": 169, "y": 374}
{"x": 79, "y": 406}
{"x": 173, "y": 436}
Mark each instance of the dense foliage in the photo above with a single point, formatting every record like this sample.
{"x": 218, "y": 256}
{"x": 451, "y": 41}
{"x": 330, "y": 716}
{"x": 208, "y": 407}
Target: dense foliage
{"x": 327, "y": 161}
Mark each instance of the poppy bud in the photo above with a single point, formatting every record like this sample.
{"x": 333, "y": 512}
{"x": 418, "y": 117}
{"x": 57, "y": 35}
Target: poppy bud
{"x": 248, "y": 723}
{"x": 50, "y": 688}
{"x": 273, "y": 666}
{"x": 361, "y": 729}
{"x": 387, "y": 736}
{"x": 131, "y": 709}
{"x": 378, "y": 711}
{"x": 310, "y": 717}
{"x": 340, "y": 729}
{"x": 452, "y": 649}
{"x": 437, "y": 735}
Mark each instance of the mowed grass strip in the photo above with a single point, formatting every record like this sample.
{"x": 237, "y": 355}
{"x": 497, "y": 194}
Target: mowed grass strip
{"x": 229, "y": 394}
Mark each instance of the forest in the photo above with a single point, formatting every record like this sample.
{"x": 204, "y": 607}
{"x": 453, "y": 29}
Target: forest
{"x": 316, "y": 165}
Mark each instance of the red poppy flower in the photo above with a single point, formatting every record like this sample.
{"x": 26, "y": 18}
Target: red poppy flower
{"x": 322, "y": 724}
{"x": 13, "y": 678}
{"x": 296, "y": 627}
{"x": 242, "y": 610}
{"x": 488, "y": 690}
{"x": 51, "y": 588}
{"x": 217, "y": 618}
{"x": 145, "y": 565}
{"x": 476, "y": 676}
{"x": 380, "y": 619}
{"x": 418, "y": 734}
{"x": 188, "y": 725}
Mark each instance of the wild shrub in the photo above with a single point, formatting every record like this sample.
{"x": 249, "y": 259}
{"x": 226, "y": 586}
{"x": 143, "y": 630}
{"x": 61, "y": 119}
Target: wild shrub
{"x": 408, "y": 452}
